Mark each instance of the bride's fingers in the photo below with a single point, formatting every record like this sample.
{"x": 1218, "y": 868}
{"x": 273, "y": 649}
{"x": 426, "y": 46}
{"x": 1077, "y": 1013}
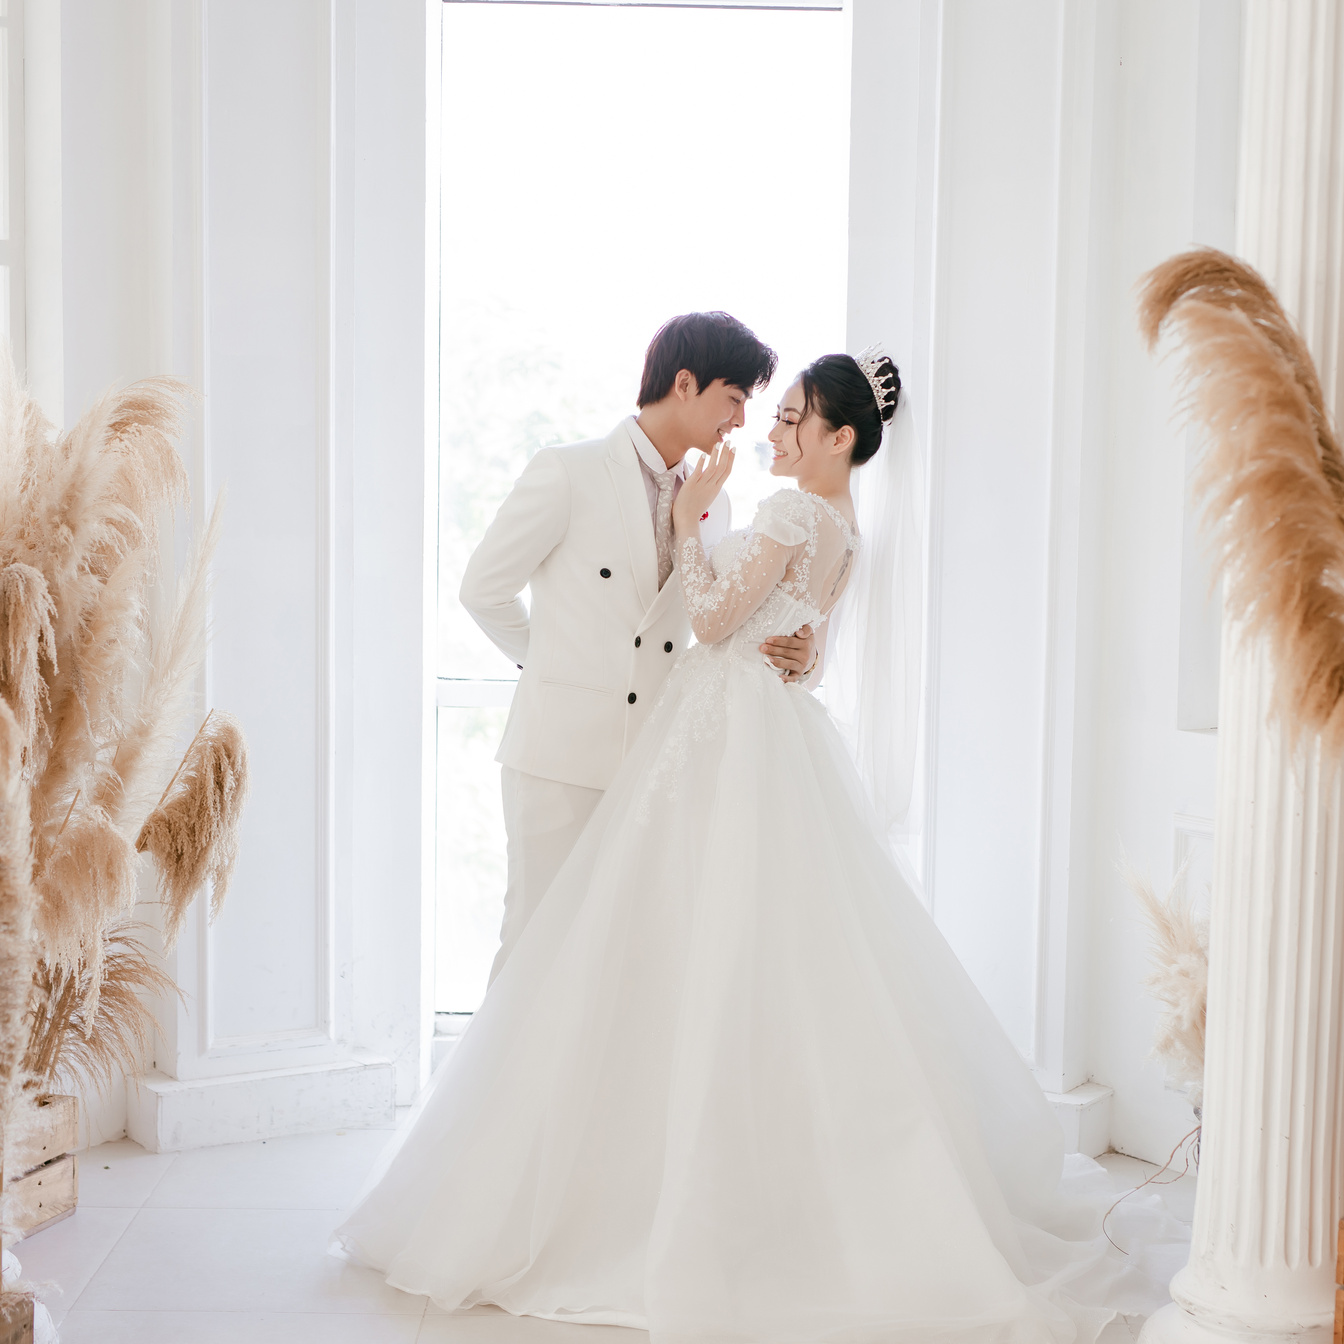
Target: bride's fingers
{"x": 725, "y": 466}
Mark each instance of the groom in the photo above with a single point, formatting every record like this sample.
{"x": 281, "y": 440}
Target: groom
{"x": 589, "y": 527}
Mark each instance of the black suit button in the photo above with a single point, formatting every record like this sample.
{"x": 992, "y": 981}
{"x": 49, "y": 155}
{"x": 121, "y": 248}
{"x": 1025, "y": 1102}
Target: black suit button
{"x": 605, "y": 573}
{"x": 636, "y": 641}
{"x": 667, "y": 648}
{"x": 631, "y": 697}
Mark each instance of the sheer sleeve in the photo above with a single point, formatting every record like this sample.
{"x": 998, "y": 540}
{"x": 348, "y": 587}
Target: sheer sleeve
{"x": 786, "y": 516}
{"x": 718, "y": 606}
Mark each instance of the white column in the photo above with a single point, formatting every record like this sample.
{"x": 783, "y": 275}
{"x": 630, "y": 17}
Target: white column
{"x": 1263, "y": 1253}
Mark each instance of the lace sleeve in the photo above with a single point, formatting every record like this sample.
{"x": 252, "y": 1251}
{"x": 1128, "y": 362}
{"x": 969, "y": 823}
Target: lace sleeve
{"x": 786, "y": 516}
{"x": 718, "y": 606}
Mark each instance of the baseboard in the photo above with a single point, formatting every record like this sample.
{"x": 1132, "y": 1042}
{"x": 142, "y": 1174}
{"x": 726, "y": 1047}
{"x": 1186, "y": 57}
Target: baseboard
{"x": 1084, "y": 1113}
{"x": 167, "y": 1115}
{"x": 448, "y": 1029}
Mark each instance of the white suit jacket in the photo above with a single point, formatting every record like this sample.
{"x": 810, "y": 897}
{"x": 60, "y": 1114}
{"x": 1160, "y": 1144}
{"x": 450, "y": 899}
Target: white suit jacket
{"x": 600, "y": 636}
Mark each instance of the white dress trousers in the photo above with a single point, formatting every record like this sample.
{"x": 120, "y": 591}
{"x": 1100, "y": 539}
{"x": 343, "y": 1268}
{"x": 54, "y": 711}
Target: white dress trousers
{"x": 543, "y": 820}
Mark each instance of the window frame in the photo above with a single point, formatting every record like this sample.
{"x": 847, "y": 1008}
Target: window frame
{"x": 829, "y": 5}
{"x": 454, "y": 692}
{"x": 474, "y": 692}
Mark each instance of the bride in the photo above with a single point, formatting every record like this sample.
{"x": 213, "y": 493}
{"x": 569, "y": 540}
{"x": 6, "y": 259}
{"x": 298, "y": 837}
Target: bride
{"x": 732, "y": 1085}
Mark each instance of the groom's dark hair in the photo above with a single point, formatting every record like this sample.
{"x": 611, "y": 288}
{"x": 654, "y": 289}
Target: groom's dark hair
{"x": 710, "y": 345}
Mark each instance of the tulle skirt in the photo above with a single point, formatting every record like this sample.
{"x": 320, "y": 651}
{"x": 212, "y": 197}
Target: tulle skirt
{"x": 733, "y": 1085}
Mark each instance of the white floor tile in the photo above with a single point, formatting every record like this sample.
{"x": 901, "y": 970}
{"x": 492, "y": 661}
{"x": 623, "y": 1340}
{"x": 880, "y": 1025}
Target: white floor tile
{"x": 1176, "y": 1187}
{"x": 228, "y": 1243}
{"x": 1179, "y": 1197}
{"x": 303, "y": 1171}
{"x": 233, "y": 1327}
{"x": 222, "y": 1260}
{"x": 61, "y": 1259}
{"x": 1122, "y": 1330}
{"x": 488, "y": 1326}
{"x": 120, "y": 1174}
{"x": 1126, "y": 1171}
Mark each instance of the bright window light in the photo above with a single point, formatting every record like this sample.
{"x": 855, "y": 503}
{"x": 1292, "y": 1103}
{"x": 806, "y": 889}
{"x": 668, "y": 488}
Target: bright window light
{"x": 605, "y": 168}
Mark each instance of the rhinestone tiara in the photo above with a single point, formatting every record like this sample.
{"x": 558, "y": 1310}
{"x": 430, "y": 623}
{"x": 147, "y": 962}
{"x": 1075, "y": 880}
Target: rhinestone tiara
{"x": 881, "y": 381}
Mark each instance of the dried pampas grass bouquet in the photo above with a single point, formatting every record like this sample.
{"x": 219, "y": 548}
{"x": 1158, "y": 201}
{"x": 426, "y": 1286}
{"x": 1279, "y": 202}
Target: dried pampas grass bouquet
{"x": 94, "y": 696}
{"x": 1178, "y": 980}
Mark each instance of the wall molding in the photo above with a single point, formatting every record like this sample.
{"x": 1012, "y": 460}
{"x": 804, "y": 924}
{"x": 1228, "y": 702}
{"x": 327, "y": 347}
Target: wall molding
{"x": 934, "y": 437}
{"x": 1189, "y": 834}
{"x": 213, "y": 1049}
{"x": 1075, "y": 66}
{"x": 166, "y": 1114}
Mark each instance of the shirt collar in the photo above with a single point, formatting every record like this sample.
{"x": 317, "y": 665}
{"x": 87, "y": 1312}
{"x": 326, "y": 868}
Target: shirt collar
{"x": 648, "y": 454}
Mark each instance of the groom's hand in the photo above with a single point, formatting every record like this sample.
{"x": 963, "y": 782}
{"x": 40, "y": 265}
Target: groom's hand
{"x": 792, "y": 654}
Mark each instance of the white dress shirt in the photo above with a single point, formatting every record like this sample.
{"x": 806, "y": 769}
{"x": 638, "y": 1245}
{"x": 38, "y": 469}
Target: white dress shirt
{"x": 651, "y": 465}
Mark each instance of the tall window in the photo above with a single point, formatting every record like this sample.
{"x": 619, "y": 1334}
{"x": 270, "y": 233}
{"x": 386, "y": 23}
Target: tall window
{"x": 604, "y": 168}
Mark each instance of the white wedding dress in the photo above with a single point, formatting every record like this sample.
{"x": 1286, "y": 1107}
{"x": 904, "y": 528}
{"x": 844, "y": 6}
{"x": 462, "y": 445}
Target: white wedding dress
{"x": 732, "y": 1084}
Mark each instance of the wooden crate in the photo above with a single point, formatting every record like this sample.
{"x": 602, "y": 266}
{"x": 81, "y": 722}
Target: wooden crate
{"x": 1339, "y": 1286}
{"x": 16, "y": 1318}
{"x": 44, "y": 1196}
{"x": 41, "y": 1173}
{"x": 53, "y": 1131}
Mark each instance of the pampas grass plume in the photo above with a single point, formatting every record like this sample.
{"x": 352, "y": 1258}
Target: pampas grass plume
{"x": 193, "y": 833}
{"x": 18, "y": 951}
{"x": 26, "y": 635}
{"x": 1271, "y": 480}
{"x": 1179, "y": 979}
{"x": 98, "y": 1036}
{"x": 130, "y": 783}
{"x": 87, "y": 883}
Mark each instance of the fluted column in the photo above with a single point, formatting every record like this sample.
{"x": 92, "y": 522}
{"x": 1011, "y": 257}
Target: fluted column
{"x": 1262, "y": 1256}
{"x": 1290, "y": 200}
{"x": 1262, "y": 1259}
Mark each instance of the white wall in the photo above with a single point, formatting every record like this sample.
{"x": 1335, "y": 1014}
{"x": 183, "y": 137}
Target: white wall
{"x": 394, "y": 417}
{"x": 990, "y": 433}
{"x": 1015, "y": 169}
{"x": 1173, "y": 141}
{"x": 243, "y": 203}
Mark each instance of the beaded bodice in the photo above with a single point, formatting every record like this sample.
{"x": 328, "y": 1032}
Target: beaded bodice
{"x": 787, "y": 570}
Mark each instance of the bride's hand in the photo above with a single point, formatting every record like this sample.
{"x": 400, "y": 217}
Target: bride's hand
{"x": 700, "y": 489}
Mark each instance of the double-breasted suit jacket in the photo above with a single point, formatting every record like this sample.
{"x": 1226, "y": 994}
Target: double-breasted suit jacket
{"x": 600, "y": 635}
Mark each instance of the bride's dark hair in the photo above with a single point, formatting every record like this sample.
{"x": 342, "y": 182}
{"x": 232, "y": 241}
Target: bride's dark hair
{"x": 839, "y": 392}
